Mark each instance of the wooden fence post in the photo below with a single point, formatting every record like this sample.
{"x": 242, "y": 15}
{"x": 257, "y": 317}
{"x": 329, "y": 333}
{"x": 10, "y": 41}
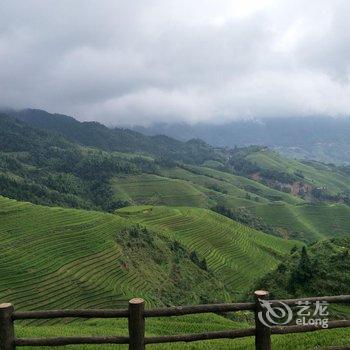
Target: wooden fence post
{"x": 263, "y": 332}
{"x": 136, "y": 324}
{"x": 7, "y": 331}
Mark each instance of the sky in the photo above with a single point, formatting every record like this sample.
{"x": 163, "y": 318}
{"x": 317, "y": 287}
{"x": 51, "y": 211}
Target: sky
{"x": 144, "y": 61}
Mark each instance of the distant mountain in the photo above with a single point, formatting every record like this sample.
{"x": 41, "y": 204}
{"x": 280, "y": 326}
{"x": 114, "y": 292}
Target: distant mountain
{"x": 321, "y": 138}
{"x": 16, "y": 136}
{"x": 94, "y": 134}
{"x": 56, "y": 160}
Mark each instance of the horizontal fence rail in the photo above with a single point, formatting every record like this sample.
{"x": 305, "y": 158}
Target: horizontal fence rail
{"x": 136, "y": 316}
{"x": 61, "y": 341}
{"x": 37, "y": 315}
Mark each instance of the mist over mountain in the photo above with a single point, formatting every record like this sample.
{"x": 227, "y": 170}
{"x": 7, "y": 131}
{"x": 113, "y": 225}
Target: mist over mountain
{"x": 321, "y": 138}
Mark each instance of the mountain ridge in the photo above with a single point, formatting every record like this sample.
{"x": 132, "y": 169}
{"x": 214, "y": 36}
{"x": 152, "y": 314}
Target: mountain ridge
{"x": 315, "y": 137}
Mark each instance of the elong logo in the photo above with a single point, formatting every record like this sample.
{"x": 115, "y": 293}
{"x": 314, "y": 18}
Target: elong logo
{"x": 279, "y": 313}
{"x": 275, "y": 315}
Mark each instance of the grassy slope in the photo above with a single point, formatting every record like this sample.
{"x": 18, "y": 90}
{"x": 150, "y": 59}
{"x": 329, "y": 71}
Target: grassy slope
{"x": 66, "y": 258}
{"x": 318, "y": 174}
{"x": 233, "y": 251}
{"x": 194, "y": 186}
{"x": 253, "y": 188}
{"x": 315, "y": 222}
{"x": 54, "y": 257}
{"x": 154, "y": 189}
{"x": 312, "y": 221}
{"x": 180, "y": 187}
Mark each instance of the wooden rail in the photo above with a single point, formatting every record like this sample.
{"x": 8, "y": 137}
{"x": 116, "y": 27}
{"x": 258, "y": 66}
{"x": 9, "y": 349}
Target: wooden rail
{"x": 136, "y": 317}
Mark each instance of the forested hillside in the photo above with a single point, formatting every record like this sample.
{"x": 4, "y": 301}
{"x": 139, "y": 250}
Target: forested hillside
{"x": 307, "y": 271}
{"x": 93, "y": 134}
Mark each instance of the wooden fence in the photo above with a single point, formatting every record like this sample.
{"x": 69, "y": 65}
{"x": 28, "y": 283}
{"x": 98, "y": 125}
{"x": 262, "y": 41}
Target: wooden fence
{"x": 136, "y": 315}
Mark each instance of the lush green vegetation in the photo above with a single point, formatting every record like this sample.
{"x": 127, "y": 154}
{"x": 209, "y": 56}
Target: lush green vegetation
{"x": 173, "y": 222}
{"x": 61, "y": 258}
{"x": 315, "y": 174}
{"x": 93, "y": 134}
{"x": 186, "y": 324}
{"x": 239, "y": 186}
{"x": 235, "y": 252}
{"x": 308, "y": 222}
{"x": 43, "y": 167}
{"x": 243, "y": 216}
{"x": 321, "y": 269}
{"x": 101, "y": 259}
{"x": 155, "y": 189}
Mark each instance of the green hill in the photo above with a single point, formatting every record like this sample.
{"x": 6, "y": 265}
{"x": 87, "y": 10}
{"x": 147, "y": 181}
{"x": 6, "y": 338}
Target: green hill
{"x": 234, "y": 186}
{"x": 155, "y": 189}
{"x": 67, "y": 258}
{"x": 311, "y": 222}
{"x": 313, "y": 173}
{"x": 99, "y": 260}
{"x": 93, "y": 134}
{"x": 233, "y": 251}
{"x": 38, "y": 164}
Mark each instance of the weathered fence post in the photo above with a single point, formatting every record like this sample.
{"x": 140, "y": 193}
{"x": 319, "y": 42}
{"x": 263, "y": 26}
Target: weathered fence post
{"x": 7, "y": 331}
{"x": 263, "y": 332}
{"x": 136, "y": 324}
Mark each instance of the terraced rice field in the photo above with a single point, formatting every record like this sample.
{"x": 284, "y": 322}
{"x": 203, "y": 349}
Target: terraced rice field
{"x": 159, "y": 190}
{"x": 319, "y": 175}
{"x": 203, "y": 181}
{"x": 54, "y": 257}
{"x": 252, "y": 187}
{"x": 199, "y": 187}
{"x": 236, "y": 252}
{"x": 315, "y": 221}
{"x": 65, "y": 258}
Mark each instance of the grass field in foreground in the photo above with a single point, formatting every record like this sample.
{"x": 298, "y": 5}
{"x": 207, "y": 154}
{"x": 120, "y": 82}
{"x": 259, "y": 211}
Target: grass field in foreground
{"x": 184, "y": 324}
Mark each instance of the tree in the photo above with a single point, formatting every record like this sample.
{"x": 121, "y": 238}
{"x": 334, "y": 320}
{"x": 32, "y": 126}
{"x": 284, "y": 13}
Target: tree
{"x": 303, "y": 273}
